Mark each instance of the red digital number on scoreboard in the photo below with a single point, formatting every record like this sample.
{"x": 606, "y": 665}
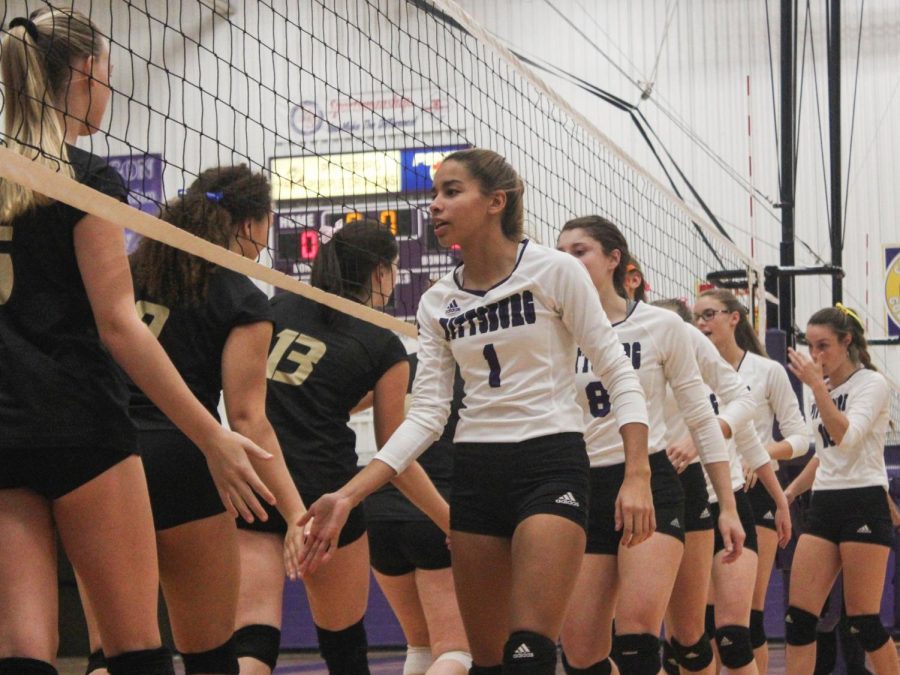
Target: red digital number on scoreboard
{"x": 309, "y": 245}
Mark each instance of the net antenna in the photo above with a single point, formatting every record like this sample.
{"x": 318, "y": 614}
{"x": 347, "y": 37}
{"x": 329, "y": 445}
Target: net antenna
{"x": 350, "y": 107}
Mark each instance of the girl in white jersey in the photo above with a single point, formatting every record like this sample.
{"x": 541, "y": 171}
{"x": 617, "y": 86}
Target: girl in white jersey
{"x": 849, "y": 523}
{"x": 641, "y": 576}
{"x": 731, "y": 584}
{"x": 722, "y": 318}
{"x": 510, "y": 316}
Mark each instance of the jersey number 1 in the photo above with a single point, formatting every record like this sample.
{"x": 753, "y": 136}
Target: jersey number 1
{"x": 490, "y": 355}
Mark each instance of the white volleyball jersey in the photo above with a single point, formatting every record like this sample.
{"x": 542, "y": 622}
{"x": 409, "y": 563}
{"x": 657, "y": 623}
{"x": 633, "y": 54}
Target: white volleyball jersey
{"x": 774, "y": 400}
{"x": 658, "y": 346}
{"x": 731, "y": 400}
{"x": 858, "y": 460}
{"x": 514, "y": 344}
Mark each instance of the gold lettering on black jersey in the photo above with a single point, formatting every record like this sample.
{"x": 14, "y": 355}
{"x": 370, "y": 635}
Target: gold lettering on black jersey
{"x": 6, "y": 267}
{"x": 306, "y": 358}
{"x": 155, "y": 316}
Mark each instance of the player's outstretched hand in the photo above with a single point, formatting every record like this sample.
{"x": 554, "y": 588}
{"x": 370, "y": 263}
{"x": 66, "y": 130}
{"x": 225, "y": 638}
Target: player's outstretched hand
{"x": 294, "y": 547}
{"x": 681, "y": 453}
{"x": 783, "y": 524}
{"x": 228, "y": 457}
{"x": 325, "y": 517}
{"x": 635, "y": 515}
{"x": 733, "y": 534}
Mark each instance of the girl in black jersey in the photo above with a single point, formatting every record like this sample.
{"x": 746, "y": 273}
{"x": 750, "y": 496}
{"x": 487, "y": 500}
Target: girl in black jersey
{"x": 68, "y": 452}
{"x": 321, "y": 365}
{"x": 510, "y": 316}
{"x": 216, "y": 327}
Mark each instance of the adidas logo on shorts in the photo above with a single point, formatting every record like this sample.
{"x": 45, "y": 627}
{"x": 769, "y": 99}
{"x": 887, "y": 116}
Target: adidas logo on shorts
{"x": 452, "y": 308}
{"x": 769, "y": 516}
{"x": 725, "y": 642}
{"x": 675, "y": 523}
{"x": 568, "y": 499}
{"x": 522, "y": 652}
{"x": 864, "y": 530}
{"x": 854, "y": 630}
{"x": 705, "y": 513}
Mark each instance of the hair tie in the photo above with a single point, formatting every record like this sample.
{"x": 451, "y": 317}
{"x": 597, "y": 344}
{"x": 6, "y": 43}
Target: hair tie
{"x": 215, "y": 197}
{"x": 28, "y": 25}
{"x": 849, "y": 312}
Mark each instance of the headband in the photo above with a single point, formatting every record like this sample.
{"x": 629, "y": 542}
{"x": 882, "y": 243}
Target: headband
{"x": 849, "y": 312}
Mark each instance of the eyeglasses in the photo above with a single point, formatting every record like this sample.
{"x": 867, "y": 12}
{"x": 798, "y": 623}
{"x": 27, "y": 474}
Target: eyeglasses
{"x": 710, "y": 314}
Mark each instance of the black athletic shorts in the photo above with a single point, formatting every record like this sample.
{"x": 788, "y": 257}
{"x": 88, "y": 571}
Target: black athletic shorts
{"x": 745, "y": 513}
{"x": 55, "y": 472}
{"x": 697, "y": 513}
{"x": 668, "y": 502}
{"x": 397, "y": 547}
{"x": 855, "y": 514}
{"x": 763, "y": 506}
{"x": 353, "y": 529}
{"x": 181, "y": 487}
{"x": 498, "y": 485}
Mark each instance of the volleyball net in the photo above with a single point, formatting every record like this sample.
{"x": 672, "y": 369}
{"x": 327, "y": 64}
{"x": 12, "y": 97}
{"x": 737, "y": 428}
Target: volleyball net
{"x": 349, "y": 107}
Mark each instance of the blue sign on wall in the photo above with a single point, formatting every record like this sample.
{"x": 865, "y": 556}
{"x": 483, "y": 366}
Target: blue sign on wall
{"x": 419, "y": 164}
{"x": 143, "y": 179}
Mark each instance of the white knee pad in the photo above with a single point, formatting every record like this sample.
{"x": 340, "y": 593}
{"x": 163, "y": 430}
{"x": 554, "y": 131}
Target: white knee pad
{"x": 460, "y": 657}
{"x": 418, "y": 660}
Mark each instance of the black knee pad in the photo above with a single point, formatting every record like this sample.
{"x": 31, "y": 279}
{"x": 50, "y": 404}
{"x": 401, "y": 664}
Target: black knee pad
{"x": 695, "y": 657}
{"x": 757, "y": 628}
{"x": 800, "y": 627}
{"x": 21, "y": 666}
{"x": 867, "y": 629}
{"x": 735, "y": 650}
{"x": 709, "y": 622}
{"x": 669, "y": 662}
{"x": 603, "y": 667}
{"x": 485, "y": 670}
{"x": 345, "y": 652}
{"x": 96, "y": 661}
{"x": 143, "y": 662}
{"x": 258, "y": 642}
{"x": 529, "y": 653}
{"x": 636, "y": 653}
{"x": 222, "y": 659}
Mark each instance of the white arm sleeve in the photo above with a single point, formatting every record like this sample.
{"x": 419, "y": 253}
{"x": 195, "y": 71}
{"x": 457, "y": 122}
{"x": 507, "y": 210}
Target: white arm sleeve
{"x": 784, "y": 404}
{"x": 683, "y": 376}
{"x": 583, "y": 315}
{"x": 749, "y": 446}
{"x": 431, "y": 396}
{"x": 865, "y": 405}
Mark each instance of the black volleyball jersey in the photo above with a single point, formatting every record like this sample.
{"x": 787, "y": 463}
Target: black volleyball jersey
{"x": 59, "y": 386}
{"x": 317, "y": 372}
{"x": 194, "y": 337}
{"x": 388, "y": 503}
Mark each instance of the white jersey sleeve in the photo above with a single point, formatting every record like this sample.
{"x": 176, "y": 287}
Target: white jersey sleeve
{"x": 432, "y": 395}
{"x": 858, "y": 460}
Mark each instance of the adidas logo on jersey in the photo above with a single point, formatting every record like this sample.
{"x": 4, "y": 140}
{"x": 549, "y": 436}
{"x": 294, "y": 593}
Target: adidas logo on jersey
{"x": 675, "y": 523}
{"x": 568, "y": 499}
{"x": 705, "y": 513}
{"x": 768, "y": 516}
{"x": 864, "y": 530}
{"x": 522, "y": 652}
{"x": 452, "y": 308}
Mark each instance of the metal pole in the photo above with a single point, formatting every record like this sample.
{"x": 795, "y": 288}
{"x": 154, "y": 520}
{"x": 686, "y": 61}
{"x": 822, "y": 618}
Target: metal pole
{"x": 834, "y": 141}
{"x": 786, "y": 282}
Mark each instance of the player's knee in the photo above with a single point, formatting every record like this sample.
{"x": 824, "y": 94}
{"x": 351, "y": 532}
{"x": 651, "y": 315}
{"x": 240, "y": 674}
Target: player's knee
{"x": 868, "y": 631}
{"x": 757, "y": 628}
{"x": 345, "y": 651}
{"x": 221, "y": 659}
{"x": 22, "y": 666}
{"x": 735, "y": 650}
{"x": 800, "y": 627}
{"x": 259, "y": 642}
{"x": 669, "y": 662}
{"x": 418, "y": 660}
{"x": 145, "y": 661}
{"x": 695, "y": 657}
{"x": 456, "y": 655}
{"x": 637, "y": 653}
{"x": 603, "y": 667}
{"x": 96, "y": 661}
{"x": 529, "y": 653}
